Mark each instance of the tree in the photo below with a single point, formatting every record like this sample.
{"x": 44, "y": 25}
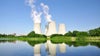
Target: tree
{"x": 69, "y": 33}
{"x": 75, "y": 33}
{"x": 31, "y": 34}
{"x": 54, "y": 35}
{"x": 82, "y": 34}
{"x": 94, "y": 32}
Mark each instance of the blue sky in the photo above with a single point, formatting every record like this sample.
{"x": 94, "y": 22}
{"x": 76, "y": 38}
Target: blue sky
{"x": 82, "y": 15}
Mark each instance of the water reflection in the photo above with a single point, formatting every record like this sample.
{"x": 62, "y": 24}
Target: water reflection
{"x": 37, "y": 50}
{"x": 62, "y": 47}
{"x": 50, "y": 48}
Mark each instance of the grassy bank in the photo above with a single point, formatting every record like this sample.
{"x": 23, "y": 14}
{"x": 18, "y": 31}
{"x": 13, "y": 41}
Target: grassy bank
{"x": 73, "y": 39}
{"x": 23, "y": 38}
{"x": 55, "y": 39}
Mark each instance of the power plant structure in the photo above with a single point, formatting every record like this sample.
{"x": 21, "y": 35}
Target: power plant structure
{"x": 37, "y": 28}
{"x": 50, "y": 28}
{"x": 61, "y": 29}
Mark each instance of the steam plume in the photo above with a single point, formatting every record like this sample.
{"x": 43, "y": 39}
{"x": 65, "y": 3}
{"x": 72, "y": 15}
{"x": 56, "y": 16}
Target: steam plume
{"x": 36, "y": 16}
{"x": 46, "y": 12}
{"x": 30, "y": 3}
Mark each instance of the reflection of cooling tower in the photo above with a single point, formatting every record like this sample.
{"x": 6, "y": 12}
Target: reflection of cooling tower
{"x": 37, "y": 28}
{"x": 62, "y": 47}
{"x": 62, "y": 29}
{"x": 37, "y": 50}
{"x": 51, "y": 48}
{"x": 51, "y": 28}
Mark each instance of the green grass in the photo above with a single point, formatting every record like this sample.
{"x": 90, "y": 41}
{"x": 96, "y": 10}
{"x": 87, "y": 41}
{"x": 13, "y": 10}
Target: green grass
{"x": 73, "y": 39}
{"x": 56, "y": 39}
{"x": 23, "y": 38}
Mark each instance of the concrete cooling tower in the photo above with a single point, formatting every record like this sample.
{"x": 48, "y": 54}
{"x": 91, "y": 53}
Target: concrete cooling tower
{"x": 37, "y": 28}
{"x": 51, "y": 28}
{"x": 61, "y": 29}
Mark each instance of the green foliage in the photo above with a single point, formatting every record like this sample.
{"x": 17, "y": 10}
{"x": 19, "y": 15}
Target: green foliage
{"x": 54, "y": 35}
{"x": 69, "y": 34}
{"x": 95, "y": 32}
{"x": 32, "y": 43}
{"x": 60, "y": 39}
{"x": 75, "y": 33}
{"x": 6, "y": 36}
{"x": 33, "y": 34}
{"x": 3, "y": 35}
{"x": 82, "y": 34}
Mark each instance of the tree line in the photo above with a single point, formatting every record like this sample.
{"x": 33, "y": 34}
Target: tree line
{"x": 31, "y": 34}
{"x": 90, "y": 33}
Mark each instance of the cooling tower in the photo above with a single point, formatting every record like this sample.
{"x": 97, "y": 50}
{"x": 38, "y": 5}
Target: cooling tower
{"x": 51, "y": 28}
{"x": 61, "y": 29}
{"x": 37, "y": 28}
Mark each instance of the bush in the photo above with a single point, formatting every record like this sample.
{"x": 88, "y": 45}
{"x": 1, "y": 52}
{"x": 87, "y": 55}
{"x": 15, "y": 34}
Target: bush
{"x": 69, "y": 34}
{"x": 33, "y": 34}
{"x": 54, "y": 35}
{"x": 82, "y": 34}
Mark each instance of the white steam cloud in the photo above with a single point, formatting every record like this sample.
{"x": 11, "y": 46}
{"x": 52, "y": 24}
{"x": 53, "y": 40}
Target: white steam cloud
{"x": 46, "y": 12}
{"x": 36, "y": 16}
{"x": 30, "y": 3}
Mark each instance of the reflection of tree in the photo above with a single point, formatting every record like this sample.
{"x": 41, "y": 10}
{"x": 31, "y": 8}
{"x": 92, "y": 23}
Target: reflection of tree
{"x": 3, "y": 41}
{"x": 78, "y": 42}
{"x": 32, "y": 43}
{"x": 95, "y": 44}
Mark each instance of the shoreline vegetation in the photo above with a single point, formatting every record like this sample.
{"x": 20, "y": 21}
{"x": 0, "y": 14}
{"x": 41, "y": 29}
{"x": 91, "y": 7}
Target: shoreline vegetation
{"x": 89, "y": 36}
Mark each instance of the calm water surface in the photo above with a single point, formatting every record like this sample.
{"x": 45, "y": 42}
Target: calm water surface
{"x": 31, "y": 48}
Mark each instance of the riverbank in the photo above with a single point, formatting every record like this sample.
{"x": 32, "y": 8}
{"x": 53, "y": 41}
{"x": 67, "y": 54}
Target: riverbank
{"x": 73, "y": 39}
{"x": 55, "y": 39}
{"x": 23, "y": 38}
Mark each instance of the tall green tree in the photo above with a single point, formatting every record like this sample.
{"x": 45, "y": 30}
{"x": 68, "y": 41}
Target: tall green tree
{"x": 31, "y": 34}
{"x": 69, "y": 33}
{"x": 94, "y": 32}
{"x": 82, "y": 34}
{"x": 75, "y": 33}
